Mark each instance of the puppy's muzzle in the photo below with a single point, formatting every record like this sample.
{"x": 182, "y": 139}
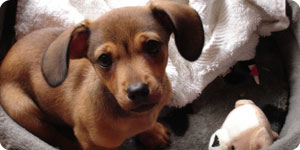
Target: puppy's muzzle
{"x": 138, "y": 92}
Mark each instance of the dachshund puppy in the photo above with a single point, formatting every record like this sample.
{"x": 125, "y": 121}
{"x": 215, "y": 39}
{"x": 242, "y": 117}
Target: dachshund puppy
{"x": 105, "y": 79}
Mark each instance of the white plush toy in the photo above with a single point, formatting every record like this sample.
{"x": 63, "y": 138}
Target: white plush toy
{"x": 245, "y": 128}
{"x": 298, "y": 148}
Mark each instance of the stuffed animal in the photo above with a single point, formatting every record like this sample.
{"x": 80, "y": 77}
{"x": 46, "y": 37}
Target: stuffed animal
{"x": 245, "y": 128}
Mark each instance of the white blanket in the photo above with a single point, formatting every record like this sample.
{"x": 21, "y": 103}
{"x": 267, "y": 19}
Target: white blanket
{"x": 232, "y": 29}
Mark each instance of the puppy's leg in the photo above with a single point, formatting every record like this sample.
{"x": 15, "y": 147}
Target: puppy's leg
{"x": 156, "y": 137}
{"x": 87, "y": 136}
{"x": 25, "y": 112}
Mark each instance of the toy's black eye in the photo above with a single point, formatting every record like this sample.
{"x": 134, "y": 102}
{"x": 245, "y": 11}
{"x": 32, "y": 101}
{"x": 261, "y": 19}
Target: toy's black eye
{"x": 232, "y": 148}
{"x": 105, "y": 61}
{"x": 216, "y": 142}
{"x": 152, "y": 47}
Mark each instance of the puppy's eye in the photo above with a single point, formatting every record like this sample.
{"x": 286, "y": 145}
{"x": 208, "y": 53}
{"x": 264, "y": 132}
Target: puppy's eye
{"x": 105, "y": 61}
{"x": 232, "y": 148}
{"x": 152, "y": 47}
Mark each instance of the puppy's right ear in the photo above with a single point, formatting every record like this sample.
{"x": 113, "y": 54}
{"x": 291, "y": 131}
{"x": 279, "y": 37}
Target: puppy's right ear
{"x": 185, "y": 23}
{"x": 71, "y": 44}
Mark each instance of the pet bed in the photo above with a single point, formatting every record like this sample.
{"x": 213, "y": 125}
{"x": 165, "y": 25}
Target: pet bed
{"x": 277, "y": 59}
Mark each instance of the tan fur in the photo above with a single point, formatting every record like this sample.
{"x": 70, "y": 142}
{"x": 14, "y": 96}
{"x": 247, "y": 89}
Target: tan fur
{"x": 91, "y": 100}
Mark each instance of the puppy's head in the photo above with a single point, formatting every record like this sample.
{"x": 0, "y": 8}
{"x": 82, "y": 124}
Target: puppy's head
{"x": 128, "y": 48}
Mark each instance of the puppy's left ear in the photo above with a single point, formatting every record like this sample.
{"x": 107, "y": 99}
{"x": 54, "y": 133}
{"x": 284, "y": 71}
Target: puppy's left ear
{"x": 185, "y": 23}
{"x": 71, "y": 44}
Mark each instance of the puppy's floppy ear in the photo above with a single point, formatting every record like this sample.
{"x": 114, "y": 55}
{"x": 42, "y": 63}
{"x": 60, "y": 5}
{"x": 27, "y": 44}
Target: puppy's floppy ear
{"x": 72, "y": 43}
{"x": 185, "y": 23}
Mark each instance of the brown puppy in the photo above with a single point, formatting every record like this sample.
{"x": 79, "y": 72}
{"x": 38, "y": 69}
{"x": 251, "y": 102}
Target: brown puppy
{"x": 106, "y": 78}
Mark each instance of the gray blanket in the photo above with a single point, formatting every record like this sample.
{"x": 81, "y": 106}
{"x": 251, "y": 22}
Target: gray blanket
{"x": 288, "y": 43}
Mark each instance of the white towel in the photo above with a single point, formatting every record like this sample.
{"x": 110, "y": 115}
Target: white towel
{"x": 2, "y": 1}
{"x": 297, "y": 1}
{"x": 232, "y": 29}
{"x": 1, "y": 148}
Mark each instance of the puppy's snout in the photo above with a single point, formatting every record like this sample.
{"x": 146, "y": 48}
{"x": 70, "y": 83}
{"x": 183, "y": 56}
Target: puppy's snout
{"x": 138, "y": 91}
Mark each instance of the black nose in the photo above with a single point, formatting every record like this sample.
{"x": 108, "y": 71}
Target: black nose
{"x": 138, "y": 91}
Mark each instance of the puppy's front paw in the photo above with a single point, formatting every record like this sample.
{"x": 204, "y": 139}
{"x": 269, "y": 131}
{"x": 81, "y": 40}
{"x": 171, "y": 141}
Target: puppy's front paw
{"x": 155, "y": 138}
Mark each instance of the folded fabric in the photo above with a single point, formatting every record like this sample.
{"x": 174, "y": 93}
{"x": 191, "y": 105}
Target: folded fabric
{"x": 232, "y": 29}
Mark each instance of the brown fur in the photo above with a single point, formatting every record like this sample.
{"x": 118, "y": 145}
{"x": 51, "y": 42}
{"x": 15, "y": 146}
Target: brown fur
{"x": 73, "y": 90}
